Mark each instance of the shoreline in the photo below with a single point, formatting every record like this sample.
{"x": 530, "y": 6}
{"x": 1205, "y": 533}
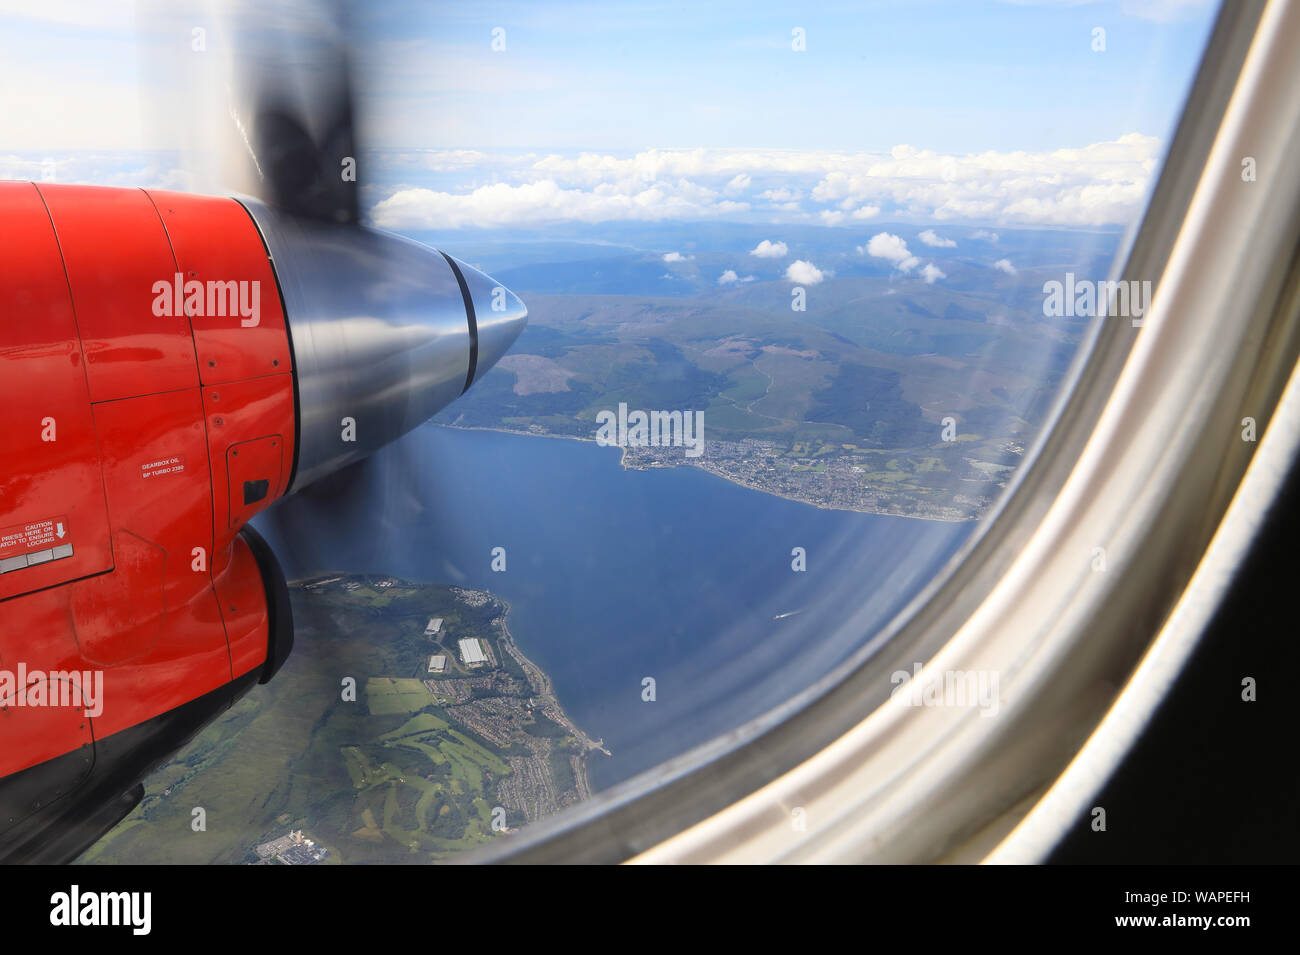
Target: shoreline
{"x": 730, "y": 480}
{"x": 546, "y": 692}
{"x": 537, "y": 677}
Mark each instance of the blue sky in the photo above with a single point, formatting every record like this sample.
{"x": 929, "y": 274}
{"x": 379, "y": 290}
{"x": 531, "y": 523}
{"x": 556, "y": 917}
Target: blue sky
{"x": 976, "y": 111}
{"x": 961, "y": 76}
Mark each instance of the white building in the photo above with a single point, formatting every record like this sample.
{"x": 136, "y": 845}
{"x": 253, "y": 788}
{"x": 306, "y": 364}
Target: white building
{"x": 434, "y": 627}
{"x": 471, "y": 652}
{"x": 437, "y": 663}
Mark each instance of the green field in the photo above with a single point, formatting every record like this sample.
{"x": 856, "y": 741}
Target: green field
{"x": 386, "y": 778}
{"x": 388, "y": 695}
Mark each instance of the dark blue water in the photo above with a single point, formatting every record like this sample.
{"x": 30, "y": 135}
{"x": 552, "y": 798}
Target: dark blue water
{"x": 614, "y": 575}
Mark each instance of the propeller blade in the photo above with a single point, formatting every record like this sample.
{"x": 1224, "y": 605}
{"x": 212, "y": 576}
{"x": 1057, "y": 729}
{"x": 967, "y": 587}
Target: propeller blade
{"x": 257, "y": 96}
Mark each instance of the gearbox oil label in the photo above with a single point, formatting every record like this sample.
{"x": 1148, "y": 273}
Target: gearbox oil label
{"x": 174, "y": 464}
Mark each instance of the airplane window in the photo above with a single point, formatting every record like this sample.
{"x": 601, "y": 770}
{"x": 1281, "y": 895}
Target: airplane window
{"x": 802, "y": 292}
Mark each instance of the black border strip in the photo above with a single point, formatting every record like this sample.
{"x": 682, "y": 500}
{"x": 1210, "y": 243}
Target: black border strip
{"x": 470, "y": 318}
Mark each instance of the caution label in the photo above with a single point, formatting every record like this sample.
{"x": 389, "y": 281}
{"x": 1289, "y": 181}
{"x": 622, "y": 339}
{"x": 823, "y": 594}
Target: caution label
{"x": 169, "y": 465}
{"x": 32, "y": 536}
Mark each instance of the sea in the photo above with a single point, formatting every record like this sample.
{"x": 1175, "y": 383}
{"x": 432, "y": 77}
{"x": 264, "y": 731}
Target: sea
{"x": 664, "y": 604}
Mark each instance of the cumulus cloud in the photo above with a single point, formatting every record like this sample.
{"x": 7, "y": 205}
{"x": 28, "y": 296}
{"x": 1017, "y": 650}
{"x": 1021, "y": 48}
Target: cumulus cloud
{"x": 831, "y": 217}
{"x": 886, "y": 245}
{"x": 1004, "y": 265}
{"x": 730, "y": 277}
{"x": 985, "y": 235}
{"x": 780, "y": 195}
{"x": 676, "y": 257}
{"x": 932, "y": 238}
{"x": 1098, "y": 184}
{"x": 804, "y": 273}
{"x": 738, "y": 184}
{"x": 770, "y": 250}
{"x": 538, "y": 203}
{"x": 932, "y": 273}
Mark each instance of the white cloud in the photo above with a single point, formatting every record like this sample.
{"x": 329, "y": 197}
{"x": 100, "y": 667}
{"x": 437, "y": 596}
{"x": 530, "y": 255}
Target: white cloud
{"x": 985, "y": 235}
{"x": 730, "y": 277}
{"x": 932, "y": 238}
{"x": 738, "y": 184}
{"x": 449, "y": 160}
{"x": 886, "y": 245}
{"x": 542, "y": 202}
{"x": 719, "y": 164}
{"x": 932, "y": 273}
{"x": 1098, "y": 184}
{"x": 132, "y": 170}
{"x": 1102, "y": 183}
{"x": 804, "y": 273}
{"x": 1004, "y": 265}
{"x": 770, "y": 250}
{"x": 676, "y": 257}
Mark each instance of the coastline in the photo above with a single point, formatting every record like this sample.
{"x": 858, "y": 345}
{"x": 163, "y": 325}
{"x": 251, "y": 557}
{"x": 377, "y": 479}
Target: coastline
{"x": 538, "y": 678}
{"x": 725, "y": 477}
{"x": 552, "y": 708}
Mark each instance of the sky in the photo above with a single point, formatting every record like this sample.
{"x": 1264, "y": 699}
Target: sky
{"x": 501, "y": 114}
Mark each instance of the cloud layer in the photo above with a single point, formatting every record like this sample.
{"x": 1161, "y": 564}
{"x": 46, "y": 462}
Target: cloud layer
{"x": 1098, "y": 184}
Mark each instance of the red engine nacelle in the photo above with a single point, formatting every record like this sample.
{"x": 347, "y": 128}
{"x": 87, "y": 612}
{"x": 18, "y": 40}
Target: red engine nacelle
{"x": 136, "y": 442}
{"x": 171, "y": 364}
